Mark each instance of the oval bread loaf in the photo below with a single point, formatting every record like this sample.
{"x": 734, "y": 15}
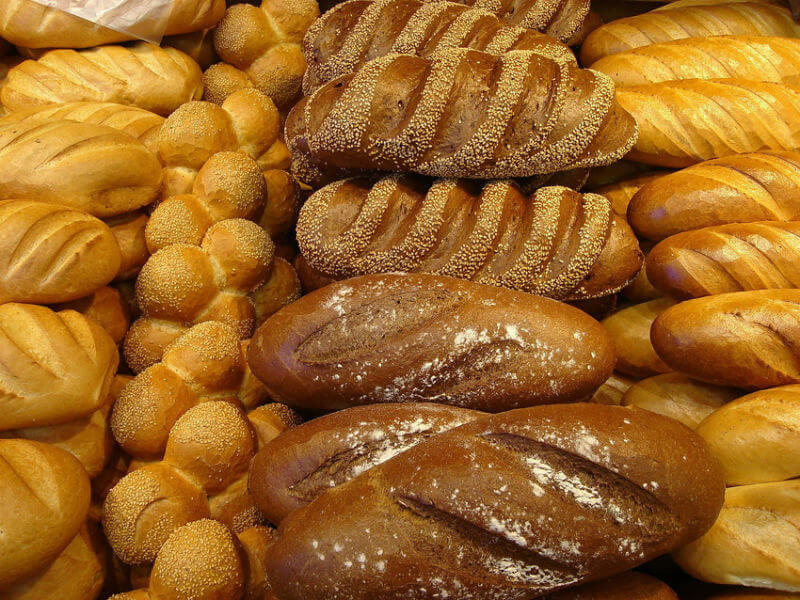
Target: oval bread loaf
{"x": 383, "y": 338}
{"x": 531, "y": 500}
{"x": 742, "y": 339}
{"x": 49, "y": 253}
{"x": 555, "y": 243}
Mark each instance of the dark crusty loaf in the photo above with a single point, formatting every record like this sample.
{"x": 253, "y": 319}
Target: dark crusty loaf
{"x": 360, "y": 30}
{"x": 388, "y": 338}
{"x": 759, "y": 186}
{"x": 462, "y": 113}
{"x": 632, "y": 585}
{"x": 556, "y": 243}
{"x": 303, "y": 462}
{"x": 508, "y": 506}
{"x": 742, "y": 339}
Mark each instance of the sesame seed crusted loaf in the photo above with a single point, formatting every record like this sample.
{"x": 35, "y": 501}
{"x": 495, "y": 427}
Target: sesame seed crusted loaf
{"x": 462, "y": 113}
{"x": 428, "y": 338}
{"x": 507, "y": 507}
{"x": 359, "y": 30}
{"x": 555, "y": 243}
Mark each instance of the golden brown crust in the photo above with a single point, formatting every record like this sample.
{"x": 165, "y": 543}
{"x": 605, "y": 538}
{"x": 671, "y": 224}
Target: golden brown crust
{"x": 613, "y": 389}
{"x": 621, "y": 192}
{"x": 107, "y": 307}
{"x": 129, "y": 231}
{"x": 282, "y": 288}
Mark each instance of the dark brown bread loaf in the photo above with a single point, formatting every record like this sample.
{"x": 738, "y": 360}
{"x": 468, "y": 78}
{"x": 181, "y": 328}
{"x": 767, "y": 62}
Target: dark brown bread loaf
{"x": 555, "y": 243}
{"x": 461, "y": 113}
{"x": 359, "y": 30}
{"x": 727, "y": 258}
{"x": 743, "y": 339}
{"x": 423, "y": 338}
{"x": 303, "y": 462}
{"x": 627, "y": 586}
{"x": 508, "y": 506}
{"x": 759, "y": 186}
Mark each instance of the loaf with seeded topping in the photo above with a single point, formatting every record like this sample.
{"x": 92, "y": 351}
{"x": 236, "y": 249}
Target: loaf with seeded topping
{"x": 143, "y": 75}
{"x": 359, "y": 30}
{"x": 461, "y": 113}
{"x": 422, "y": 338}
{"x": 556, "y": 242}
{"x": 759, "y": 186}
{"x": 532, "y": 500}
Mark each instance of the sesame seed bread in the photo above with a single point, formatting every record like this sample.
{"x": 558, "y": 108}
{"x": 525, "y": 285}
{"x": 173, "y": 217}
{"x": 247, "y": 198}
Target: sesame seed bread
{"x": 555, "y": 242}
{"x": 422, "y": 338}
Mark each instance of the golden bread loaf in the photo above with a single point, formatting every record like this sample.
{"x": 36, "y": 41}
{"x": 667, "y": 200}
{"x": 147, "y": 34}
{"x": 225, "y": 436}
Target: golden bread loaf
{"x": 359, "y": 30}
{"x": 759, "y": 186}
{"x": 45, "y": 498}
{"x": 741, "y": 339}
{"x": 280, "y": 289}
{"x": 107, "y": 307}
{"x": 199, "y": 45}
{"x": 686, "y": 122}
{"x": 143, "y": 75}
{"x": 754, "y": 541}
{"x": 51, "y": 253}
{"x": 556, "y": 242}
{"x": 264, "y": 44}
{"x": 613, "y": 389}
{"x": 90, "y": 167}
{"x": 129, "y": 231}
{"x": 620, "y": 192}
{"x": 54, "y": 367}
{"x": 690, "y": 20}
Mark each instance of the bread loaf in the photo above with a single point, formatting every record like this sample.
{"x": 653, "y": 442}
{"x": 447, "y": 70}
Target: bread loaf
{"x": 34, "y": 25}
{"x": 144, "y": 75}
{"x": 107, "y": 308}
{"x": 755, "y": 438}
{"x": 685, "y": 122}
{"x": 742, "y": 339}
{"x": 360, "y": 30}
{"x": 54, "y": 367}
{"x": 310, "y": 278}
{"x": 613, "y": 389}
{"x": 53, "y": 254}
{"x": 556, "y": 243}
{"x": 45, "y": 497}
{"x": 473, "y": 115}
{"x": 93, "y": 168}
{"x": 129, "y": 231}
{"x": 383, "y": 338}
{"x": 727, "y": 258}
{"x": 759, "y": 186}
{"x": 338, "y": 447}
{"x": 754, "y": 541}
{"x": 531, "y": 500}
{"x": 199, "y": 45}
{"x": 263, "y": 43}
{"x": 621, "y": 192}
{"x": 282, "y": 205}
{"x": 679, "y": 397}
{"x": 629, "y": 329}
{"x": 692, "y": 20}
{"x": 628, "y": 586}
{"x": 282, "y": 288}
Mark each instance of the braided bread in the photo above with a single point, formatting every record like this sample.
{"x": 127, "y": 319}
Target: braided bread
{"x": 462, "y": 113}
{"x": 359, "y": 30}
{"x": 153, "y": 78}
{"x": 557, "y": 243}
{"x": 685, "y": 122}
{"x": 760, "y": 186}
{"x": 692, "y": 20}
{"x": 742, "y": 339}
{"x": 775, "y": 59}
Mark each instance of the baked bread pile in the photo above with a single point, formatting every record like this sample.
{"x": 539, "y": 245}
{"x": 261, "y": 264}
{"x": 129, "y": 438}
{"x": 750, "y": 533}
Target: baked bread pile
{"x": 399, "y": 299}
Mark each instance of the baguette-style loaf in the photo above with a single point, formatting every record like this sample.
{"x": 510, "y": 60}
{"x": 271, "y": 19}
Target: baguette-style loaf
{"x": 727, "y": 258}
{"x": 338, "y": 447}
{"x": 556, "y": 243}
{"x": 49, "y": 253}
{"x": 691, "y": 20}
{"x": 144, "y": 75}
{"x": 357, "y": 31}
{"x": 774, "y": 59}
{"x": 384, "y": 338}
{"x": 54, "y": 367}
{"x": 90, "y": 167}
{"x": 755, "y": 438}
{"x": 679, "y": 397}
{"x": 129, "y": 231}
{"x": 686, "y": 122}
{"x": 513, "y": 505}
{"x": 742, "y": 339}
{"x": 759, "y": 186}
{"x": 754, "y": 541}
{"x": 461, "y": 113}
